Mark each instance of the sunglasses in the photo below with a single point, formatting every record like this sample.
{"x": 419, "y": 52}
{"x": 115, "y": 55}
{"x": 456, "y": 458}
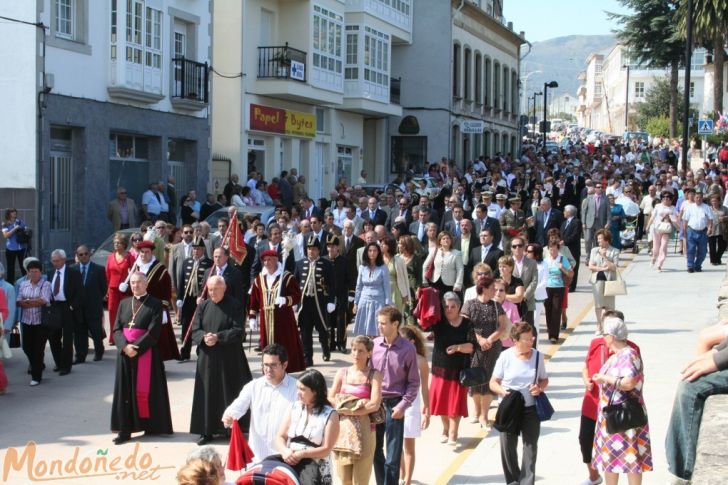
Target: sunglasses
{"x": 136, "y": 240}
{"x": 514, "y": 246}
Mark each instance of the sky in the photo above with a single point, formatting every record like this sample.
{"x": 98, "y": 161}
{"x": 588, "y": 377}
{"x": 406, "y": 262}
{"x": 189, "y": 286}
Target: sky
{"x": 546, "y": 19}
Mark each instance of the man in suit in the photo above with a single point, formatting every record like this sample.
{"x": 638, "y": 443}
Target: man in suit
{"x": 374, "y": 213}
{"x": 447, "y": 216}
{"x": 180, "y": 252}
{"x": 527, "y": 270}
{"x": 317, "y": 229}
{"x": 417, "y": 228}
{"x": 357, "y": 221}
{"x": 191, "y": 277}
{"x": 122, "y": 211}
{"x": 571, "y": 237}
{"x": 222, "y": 266}
{"x": 484, "y": 221}
{"x": 595, "y": 216}
{"x": 487, "y": 253}
{"x": 369, "y": 237}
{"x": 547, "y": 218}
{"x": 67, "y": 290}
{"x": 456, "y": 216}
{"x": 513, "y": 222}
{"x": 404, "y": 211}
{"x": 308, "y": 209}
{"x": 91, "y": 314}
{"x": 274, "y": 243}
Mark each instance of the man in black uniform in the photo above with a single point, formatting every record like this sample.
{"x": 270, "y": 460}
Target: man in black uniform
{"x": 316, "y": 278}
{"x": 191, "y": 277}
{"x": 342, "y": 285}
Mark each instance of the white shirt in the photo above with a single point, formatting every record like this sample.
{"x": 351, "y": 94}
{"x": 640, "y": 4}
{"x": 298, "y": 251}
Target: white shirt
{"x": 517, "y": 374}
{"x": 697, "y": 216}
{"x": 268, "y": 404}
{"x": 61, "y": 296}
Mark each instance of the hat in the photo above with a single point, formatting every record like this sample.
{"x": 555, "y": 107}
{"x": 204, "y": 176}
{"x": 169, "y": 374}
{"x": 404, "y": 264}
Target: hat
{"x": 501, "y": 197}
{"x": 616, "y": 328}
{"x": 29, "y": 259}
{"x": 146, "y": 244}
{"x": 332, "y": 240}
{"x": 269, "y": 253}
{"x": 198, "y": 242}
{"x": 312, "y": 242}
{"x": 487, "y": 194}
{"x": 515, "y": 200}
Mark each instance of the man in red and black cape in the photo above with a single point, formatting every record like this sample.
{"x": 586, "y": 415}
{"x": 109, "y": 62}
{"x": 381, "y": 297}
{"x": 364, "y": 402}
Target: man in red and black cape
{"x": 141, "y": 400}
{"x": 159, "y": 285}
{"x": 274, "y": 293}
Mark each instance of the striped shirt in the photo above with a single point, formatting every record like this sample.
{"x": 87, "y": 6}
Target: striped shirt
{"x": 30, "y": 291}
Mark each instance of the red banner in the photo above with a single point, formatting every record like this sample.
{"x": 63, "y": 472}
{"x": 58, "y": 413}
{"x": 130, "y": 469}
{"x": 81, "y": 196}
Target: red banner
{"x": 264, "y": 118}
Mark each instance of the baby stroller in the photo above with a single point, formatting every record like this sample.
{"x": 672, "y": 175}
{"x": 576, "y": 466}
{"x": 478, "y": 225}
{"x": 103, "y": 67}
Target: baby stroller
{"x": 627, "y": 236}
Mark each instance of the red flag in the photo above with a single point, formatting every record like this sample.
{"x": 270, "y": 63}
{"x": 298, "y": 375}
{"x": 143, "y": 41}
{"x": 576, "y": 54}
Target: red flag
{"x": 236, "y": 242}
{"x": 239, "y": 454}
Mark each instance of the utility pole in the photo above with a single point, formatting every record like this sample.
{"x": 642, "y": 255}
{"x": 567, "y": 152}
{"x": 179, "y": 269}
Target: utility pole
{"x": 686, "y": 90}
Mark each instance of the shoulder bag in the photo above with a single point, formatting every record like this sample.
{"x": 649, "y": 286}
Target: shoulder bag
{"x": 664, "y": 226}
{"x": 624, "y": 416}
{"x": 378, "y": 416}
{"x": 544, "y": 409}
{"x": 15, "y": 337}
{"x": 565, "y": 277}
{"x": 50, "y": 317}
{"x": 616, "y": 287}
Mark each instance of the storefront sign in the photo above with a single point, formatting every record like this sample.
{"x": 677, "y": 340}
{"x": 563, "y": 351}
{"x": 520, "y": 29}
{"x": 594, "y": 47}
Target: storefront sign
{"x": 284, "y": 122}
{"x": 472, "y": 126}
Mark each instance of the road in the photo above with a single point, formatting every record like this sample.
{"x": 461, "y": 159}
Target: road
{"x": 68, "y": 417}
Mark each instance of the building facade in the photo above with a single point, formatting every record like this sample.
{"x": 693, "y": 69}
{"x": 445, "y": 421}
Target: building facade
{"x": 613, "y": 81}
{"x": 123, "y": 102}
{"x": 468, "y": 110}
{"x": 309, "y": 87}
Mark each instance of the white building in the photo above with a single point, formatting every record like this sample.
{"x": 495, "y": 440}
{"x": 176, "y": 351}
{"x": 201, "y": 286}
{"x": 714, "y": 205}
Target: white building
{"x": 123, "y": 102}
{"x": 313, "y": 91}
{"x": 562, "y": 103}
{"x": 604, "y": 91}
{"x": 460, "y": 92}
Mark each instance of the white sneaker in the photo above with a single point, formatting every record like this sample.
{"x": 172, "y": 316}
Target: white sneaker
{"x": 591, "y": 482}
{"x": 34, "y": 383}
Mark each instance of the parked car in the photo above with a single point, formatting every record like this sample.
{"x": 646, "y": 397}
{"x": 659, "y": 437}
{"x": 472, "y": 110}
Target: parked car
{"x": 100, "y": 254}
{"x": 552, "y": 147}
{"x": 374, "y": 189}
{"x": 264, "y": 212}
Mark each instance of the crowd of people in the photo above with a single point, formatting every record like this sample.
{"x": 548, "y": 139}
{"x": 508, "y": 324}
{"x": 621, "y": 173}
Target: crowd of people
{"x": 499, "y": 246}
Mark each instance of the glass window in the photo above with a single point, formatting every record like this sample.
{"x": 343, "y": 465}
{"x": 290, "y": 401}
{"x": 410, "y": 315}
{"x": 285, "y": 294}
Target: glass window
{"x": 639, "y": 89}
{"x": 65, "y": 12}
{"x": 327, "y": 40}
{"x": 408, "y": 153}
{"x": 320, "y": 127}
{"x": 692, "y": 89}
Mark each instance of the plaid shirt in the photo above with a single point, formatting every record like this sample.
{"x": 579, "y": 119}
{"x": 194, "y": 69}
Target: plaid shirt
{"x": 30, "y": 291}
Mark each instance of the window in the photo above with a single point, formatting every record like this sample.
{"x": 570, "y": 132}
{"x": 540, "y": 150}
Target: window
{"x": 114, "y": 12}
{"x": 327, "y": 39}
{"x": 402, "y": 6}
{"x": 597, "y": 68}
{"x": 352, "y": 46}
{"x": 478, "y": 79}
{"x": 129, "y": 167}
{"x": 639, "y": 89}
{"x": 697, "y": 60}
{"x": 143, "y": 34}
{"x": 456, "y": 70}
{"x": 597, "y": 90}
{"x": 65, "y": 18}
{"x": 466, "y": 76}
{"x": 692, "y": 89}
{"x": 153, "y": 42}
{"x": 320, "y": 120}
{"x": 488, "y": 83}
{"x": 344, "y": 159}
{"x": 376, "y": 57}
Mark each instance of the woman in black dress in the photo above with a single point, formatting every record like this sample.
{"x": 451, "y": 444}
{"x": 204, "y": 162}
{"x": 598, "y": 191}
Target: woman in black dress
{"x": 488, "y": 321}
{"x": 454, "y": 340}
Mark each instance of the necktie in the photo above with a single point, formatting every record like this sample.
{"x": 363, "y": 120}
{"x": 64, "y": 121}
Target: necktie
{"x": 485, "y": 254}
{"x": 421, "y": 231}
{"x": 83, "y": 274}
{"x": 457, "y": 229}
{"x": 57, "y": 283}
{"x": 348, "y": 242}
{"x": 545, "y": 219}
{"x": 219, "y": 271}
{"x": 598, "y": 201}
{"x": 567, "y": 223}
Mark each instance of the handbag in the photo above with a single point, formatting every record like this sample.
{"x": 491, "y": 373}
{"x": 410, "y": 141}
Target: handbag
{"x": 50, "y": 317}
{"x": 378, "y": 416}
{"x": 626, "y": 415}
{"x": 544, "y": 409}
{"x": 664, "y": 227}
{"x": 15, "y": 338}
{"x": 473, "y": 376}
{"x": 565, "y": 277}
{"x": 616, "y": 287}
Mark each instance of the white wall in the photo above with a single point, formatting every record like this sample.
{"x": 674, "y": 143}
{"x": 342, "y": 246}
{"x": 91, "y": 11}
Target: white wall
{"x": 18, "y": 85}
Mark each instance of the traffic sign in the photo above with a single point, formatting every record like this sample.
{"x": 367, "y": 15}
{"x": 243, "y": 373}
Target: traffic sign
{"x": 705, "y": 127}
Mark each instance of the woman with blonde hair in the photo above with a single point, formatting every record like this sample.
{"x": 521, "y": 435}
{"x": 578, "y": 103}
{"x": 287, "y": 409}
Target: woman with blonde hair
{"x": 356, "y": 393}
{"x": 118, "y": 266}
{"x": 480, "y": 270}
{"x": 603, "y": 262}
{"x": 444, "y": 266}
{"x": 198, "y": 472}
{"x": 417, "y": 416}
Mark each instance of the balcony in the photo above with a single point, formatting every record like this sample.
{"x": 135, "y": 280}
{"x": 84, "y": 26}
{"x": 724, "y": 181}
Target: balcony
{"x": 190, "y": 88}
{"x": 281, "y": 62}
{"x": 395, "y": 89}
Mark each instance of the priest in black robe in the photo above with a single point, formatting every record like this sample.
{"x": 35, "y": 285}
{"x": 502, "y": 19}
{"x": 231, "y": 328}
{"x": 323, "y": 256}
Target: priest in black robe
{"x": 141, "y": 399}
{"x": 222, "y": 368}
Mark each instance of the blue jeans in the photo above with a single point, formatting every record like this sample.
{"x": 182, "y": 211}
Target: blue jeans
{"x": 687, "y": 411}
{"x": 386, "y": 470}
{"x": 697, "y": 248}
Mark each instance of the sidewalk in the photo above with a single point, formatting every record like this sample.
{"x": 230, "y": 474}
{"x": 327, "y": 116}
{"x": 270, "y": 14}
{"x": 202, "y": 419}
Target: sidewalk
{"x": 664, "y": 311}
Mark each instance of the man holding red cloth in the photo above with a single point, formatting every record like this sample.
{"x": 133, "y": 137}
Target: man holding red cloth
{"x": 141, "y": 400}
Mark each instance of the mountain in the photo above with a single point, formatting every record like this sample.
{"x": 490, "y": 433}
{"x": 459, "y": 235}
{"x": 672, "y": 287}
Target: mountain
{"x": 561, "y": 59}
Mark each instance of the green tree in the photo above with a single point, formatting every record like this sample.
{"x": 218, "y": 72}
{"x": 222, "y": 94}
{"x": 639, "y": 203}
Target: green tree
{"x": 658, "y": 103}
{"x": 710, "y": 26}
{"x": 658, "y": 126}
{"x": 652, "y": 38}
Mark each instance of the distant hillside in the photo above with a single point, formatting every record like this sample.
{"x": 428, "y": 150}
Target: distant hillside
{"x": 561, "y": 59}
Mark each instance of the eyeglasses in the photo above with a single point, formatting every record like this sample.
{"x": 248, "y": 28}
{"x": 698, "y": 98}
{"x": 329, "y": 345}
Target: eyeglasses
{"x": 514, "y": 246}
{"x": 481, "y": 274}
{"x": 136, "y": 240}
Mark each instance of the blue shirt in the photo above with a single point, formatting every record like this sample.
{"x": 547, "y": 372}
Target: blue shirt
{"x": 12, "y": 243}
{"x": 555, "y": 277}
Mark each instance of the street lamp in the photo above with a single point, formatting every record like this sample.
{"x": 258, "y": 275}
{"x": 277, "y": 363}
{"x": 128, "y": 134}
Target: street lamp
{"x": 626, "y": 101}
{"x": 546, "y": 86}
{"x": 532, "y": 117}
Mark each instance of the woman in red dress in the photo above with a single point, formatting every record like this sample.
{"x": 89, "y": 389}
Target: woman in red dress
{"x": 118, "y": 265}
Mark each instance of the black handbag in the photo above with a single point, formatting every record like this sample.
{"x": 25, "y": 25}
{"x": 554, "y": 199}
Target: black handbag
{"x": 14, "y": 340}
{"x": 544, "y": 409}
{"x": 23, "y": 235}
{"x": 626, "y": 415}
{"x": 50, "y": 316}
{"x": 473, "y": 376}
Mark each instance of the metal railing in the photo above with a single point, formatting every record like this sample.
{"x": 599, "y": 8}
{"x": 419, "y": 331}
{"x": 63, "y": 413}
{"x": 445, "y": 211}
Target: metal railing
{"x": 395, "y": 89}
{"x": 281, "y": 62}
{"x": 191, "y": 79}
